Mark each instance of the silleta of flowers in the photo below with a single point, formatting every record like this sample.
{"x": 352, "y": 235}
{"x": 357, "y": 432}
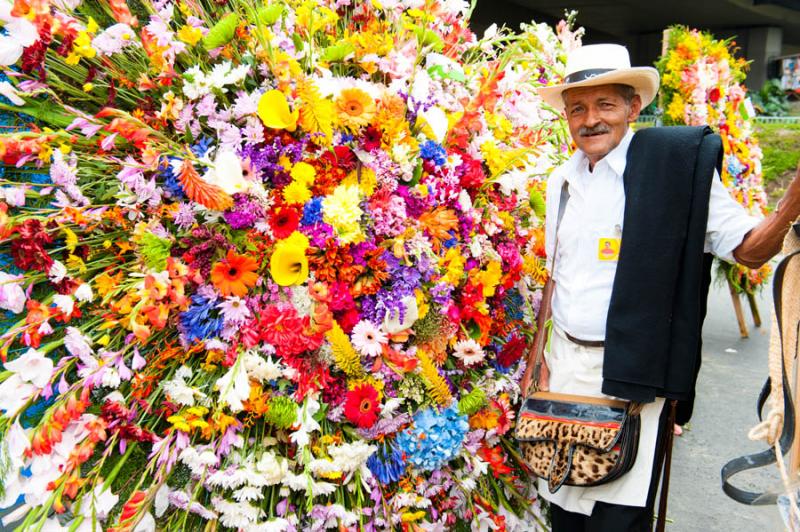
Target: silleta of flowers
{"x": 283, "y": 268}
{"x": 702, "y": 84}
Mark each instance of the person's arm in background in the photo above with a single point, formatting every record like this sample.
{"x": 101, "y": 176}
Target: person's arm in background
{"x": 764, "y": 241}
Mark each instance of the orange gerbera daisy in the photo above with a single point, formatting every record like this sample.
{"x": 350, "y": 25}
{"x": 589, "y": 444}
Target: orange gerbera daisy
{"x": 234, "y": 274}
{"x": 355, "y": 108}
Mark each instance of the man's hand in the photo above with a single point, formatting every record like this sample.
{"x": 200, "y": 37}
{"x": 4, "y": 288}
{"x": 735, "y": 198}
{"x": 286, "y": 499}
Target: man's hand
{"x": 764, "y": 241}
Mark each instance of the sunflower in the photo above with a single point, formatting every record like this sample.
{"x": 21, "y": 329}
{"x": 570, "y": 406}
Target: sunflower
{"x": 234, "y": 274}
{"x": 355, "y": 107}
{"x": 289, "y": 264}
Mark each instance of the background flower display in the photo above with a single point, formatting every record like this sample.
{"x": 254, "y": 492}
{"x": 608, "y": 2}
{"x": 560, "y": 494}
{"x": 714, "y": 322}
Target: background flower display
{"x": 702, "y": 84}
{"x": 282, "y": 267}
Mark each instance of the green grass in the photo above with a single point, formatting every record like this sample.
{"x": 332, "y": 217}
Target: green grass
{"x": 780, "y": 144}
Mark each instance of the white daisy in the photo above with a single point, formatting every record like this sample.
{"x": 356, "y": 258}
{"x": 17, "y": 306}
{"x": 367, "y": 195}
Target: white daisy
{"x": 469, "y": 352}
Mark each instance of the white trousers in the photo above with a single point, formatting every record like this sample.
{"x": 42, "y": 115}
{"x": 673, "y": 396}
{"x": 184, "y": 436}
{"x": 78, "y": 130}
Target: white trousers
{"x": 579, "y": 370}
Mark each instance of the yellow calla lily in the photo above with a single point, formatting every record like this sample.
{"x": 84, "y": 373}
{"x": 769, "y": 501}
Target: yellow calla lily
{"x": 289, "y": 264}
{"x": 273, "y": 110}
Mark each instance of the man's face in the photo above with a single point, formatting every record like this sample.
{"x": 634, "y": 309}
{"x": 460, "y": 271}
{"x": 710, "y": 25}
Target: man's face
{"x": 598, "y": 118}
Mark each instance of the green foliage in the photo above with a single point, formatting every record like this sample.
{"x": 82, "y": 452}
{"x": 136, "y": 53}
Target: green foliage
{"x": 780, "y": 144}
{"x": 771, "y": 100}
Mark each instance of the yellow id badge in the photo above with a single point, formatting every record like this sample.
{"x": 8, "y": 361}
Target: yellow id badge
{"x": 608, "y": 249}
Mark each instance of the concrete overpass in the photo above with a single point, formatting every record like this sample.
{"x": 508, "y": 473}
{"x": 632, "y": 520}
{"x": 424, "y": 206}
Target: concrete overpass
{"x": 763, "y": 29}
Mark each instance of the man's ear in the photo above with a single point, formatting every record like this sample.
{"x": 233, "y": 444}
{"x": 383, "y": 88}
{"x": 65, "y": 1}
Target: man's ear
{"x": 636, "y": 108}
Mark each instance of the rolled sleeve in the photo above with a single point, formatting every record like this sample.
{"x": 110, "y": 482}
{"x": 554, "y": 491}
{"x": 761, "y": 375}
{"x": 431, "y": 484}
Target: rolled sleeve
{"x": 728, "y": 222}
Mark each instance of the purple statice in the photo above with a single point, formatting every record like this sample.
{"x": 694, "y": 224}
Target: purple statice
{"x": 244, "y": 213}
{"x": 184, "y": 216}
{"x": 389, "y": 302}
{"x": 440, "y": 293}
{"x": 405, "y": 279}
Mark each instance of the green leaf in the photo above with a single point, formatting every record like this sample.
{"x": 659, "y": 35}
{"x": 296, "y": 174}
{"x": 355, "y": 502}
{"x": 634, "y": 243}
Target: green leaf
{"x": 537, "y": 203}
{"x": 222, "y": 33}
{"x": 428, "y": 37}
{"x": 269, "y": 15}
{"x": 337, "y": 52}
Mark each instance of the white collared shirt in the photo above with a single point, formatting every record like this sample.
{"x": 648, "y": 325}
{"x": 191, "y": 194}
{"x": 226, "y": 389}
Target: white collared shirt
{"x": 595, "y": 211}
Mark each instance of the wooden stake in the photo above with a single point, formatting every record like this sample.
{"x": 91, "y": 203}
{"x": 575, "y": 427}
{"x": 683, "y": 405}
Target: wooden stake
{"x": 751, "y": 298}
{"x": 737, "y": 307}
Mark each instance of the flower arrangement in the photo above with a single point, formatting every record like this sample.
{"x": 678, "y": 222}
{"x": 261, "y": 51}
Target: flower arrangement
{"x": 282, "y": 268}
{"x": 702, "y": 84}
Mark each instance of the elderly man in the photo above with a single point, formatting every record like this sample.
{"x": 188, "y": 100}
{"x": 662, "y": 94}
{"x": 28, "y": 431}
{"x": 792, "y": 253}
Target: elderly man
{"x": 637, "y": 219}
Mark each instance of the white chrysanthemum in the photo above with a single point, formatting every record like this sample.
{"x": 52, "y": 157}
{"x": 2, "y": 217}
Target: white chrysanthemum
{"x": 368, "y": 339}
{"x": 261, "y": 369}
{"x": 273, "y": 468}
{"x": 350, "y": 456}
{"x": 469, "y": 352}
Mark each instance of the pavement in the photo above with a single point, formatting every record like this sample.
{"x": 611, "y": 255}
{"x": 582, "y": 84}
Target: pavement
{"x": 733, "y": 372}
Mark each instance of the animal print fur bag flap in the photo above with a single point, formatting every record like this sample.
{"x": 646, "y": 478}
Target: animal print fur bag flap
{"x": 577, "y": 440}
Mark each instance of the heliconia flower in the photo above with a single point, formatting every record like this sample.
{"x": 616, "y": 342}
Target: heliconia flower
{"x": 273, "y": 110}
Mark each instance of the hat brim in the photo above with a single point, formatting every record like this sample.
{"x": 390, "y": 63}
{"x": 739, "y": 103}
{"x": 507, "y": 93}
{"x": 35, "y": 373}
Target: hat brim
{"x": 644, "y": 80}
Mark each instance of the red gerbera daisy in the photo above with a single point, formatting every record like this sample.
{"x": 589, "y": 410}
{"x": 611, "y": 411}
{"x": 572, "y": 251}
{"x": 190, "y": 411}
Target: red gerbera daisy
{"x": 362, "y": 406}
{"x": 283, "y": 222}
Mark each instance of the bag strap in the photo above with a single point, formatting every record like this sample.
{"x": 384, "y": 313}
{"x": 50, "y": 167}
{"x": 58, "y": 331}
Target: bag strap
{"x": 752, "y": 461}
{"x": 536, "y": 351}
{"x": 665, "y": 463}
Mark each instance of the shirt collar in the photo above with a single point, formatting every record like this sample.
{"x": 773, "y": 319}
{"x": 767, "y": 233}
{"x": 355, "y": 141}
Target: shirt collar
{"x": 616, "y": 158}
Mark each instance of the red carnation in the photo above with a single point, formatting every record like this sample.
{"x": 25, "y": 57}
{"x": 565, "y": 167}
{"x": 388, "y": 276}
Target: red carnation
{"x": 362, "y": 406}
{"x": 714, "y": 95}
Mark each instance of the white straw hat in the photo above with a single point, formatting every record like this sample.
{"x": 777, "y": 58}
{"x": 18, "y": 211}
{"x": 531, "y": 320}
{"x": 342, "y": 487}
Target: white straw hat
{"x": 602, "y": 64}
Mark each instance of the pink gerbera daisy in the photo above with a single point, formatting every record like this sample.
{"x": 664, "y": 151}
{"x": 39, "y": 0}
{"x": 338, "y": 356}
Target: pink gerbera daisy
{"x": 368, "y": 339}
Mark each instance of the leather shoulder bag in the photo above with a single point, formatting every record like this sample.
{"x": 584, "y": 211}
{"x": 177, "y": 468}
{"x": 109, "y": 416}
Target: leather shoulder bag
{"x": 572, "y": 439}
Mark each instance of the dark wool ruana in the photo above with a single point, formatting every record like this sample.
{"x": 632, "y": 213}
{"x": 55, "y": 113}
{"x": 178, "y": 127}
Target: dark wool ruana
{"x": 652, "y": 343}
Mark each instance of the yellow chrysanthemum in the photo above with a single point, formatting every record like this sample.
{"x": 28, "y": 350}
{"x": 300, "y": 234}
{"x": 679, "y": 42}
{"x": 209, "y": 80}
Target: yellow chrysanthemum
{"x": 296, "y": 192}
{"x": 355, "y": 108}
{"x": 304, "y": 173}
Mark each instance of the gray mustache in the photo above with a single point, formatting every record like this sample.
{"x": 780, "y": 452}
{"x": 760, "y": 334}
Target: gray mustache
{"x": 599, "y": 128}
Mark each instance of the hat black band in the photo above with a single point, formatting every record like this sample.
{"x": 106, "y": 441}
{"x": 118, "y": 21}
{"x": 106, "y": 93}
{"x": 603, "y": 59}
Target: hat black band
{"x": 583, "y": 75}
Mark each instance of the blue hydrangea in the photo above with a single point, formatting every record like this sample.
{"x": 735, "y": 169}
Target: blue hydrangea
{"x": 201, "y": 320}
{"x": 434, "y": 439}
{"x": 433, "y": 151}
{"x": 387, "y": 464}
{"x": 312, "y": 211}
